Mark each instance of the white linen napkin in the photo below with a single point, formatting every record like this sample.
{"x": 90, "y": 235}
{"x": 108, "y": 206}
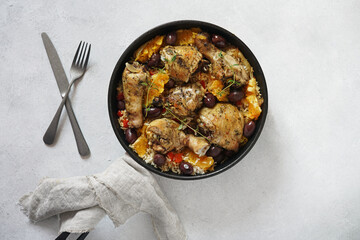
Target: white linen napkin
{"x": 122, "y": 190}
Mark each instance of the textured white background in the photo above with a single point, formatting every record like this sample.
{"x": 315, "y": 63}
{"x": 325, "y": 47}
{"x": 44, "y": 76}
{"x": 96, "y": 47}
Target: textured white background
{"x": 300, "y": 181}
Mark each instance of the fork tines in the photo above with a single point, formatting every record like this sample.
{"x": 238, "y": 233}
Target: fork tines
{"x": 84, "y": 49}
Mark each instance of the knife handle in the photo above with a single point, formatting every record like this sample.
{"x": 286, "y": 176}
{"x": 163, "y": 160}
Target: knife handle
{"x": 82, "y": 146}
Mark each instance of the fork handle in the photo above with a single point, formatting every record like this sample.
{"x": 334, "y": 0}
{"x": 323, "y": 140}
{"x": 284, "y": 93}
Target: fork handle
{"x": 50, "y": 133}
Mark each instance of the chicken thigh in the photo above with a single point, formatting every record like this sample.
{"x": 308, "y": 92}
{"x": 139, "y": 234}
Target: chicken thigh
{"x": 164, "y": 136}
{"x": 223, "y": 64}
{"x": 184, "y": 100}
{"x": 181, "y": 61}
{"x": 224, "y": 123}
{"x": 133, "y": 77}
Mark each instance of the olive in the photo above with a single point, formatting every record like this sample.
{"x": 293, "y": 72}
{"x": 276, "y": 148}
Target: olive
{"x": 170, "y": 83}
{"x": 214, "y": 151}
{"x": 152, "y": 112}
{"x": 186, "y": 168}
{"x": 235, "y": 96}
{"x": 249, "y": 129}
{"x": 130, "y": 135}
{"x": 171, "y": 38}
{"x": 218, "y": 40}
{"x": 229, "y": 153}
{"x": 159, "y": 160}
{"x": 219, "y": 158}
{"x": 121, "y": 105}
{"x": 209, "y": 100}
{"x": 157, "y": 102}
{"x": 154, "y": 60}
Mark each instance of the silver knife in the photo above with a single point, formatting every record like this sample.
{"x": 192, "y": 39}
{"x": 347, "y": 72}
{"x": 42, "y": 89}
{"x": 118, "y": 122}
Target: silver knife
{"x": 63, "y": 84}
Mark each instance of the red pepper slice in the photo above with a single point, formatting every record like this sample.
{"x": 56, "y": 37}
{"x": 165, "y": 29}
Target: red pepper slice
{"x": 178, "y": 157}
{"x": 125, "y": 123}
{"x": 119, "y": 113}
{"x": 170, "y": 155}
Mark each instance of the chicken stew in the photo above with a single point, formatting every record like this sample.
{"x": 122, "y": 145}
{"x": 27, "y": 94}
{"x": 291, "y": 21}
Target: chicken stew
{"x": 188, "y": 101}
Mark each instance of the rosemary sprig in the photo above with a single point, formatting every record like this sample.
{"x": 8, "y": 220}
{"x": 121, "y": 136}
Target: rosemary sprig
{"x": 183, "y": 123}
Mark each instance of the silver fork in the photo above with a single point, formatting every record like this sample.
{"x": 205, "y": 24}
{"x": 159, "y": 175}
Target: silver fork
{"x": 77, "y": 70}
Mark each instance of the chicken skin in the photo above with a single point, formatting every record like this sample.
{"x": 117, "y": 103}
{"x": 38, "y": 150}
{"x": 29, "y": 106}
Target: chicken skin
{"x": 224, "y": 123}
{"x": 164, "y": 136}
{"x": 133, "y": 77}
{"x": 181, "y": 61}
{"x": 223, "y": 64}
{"x": 185, "y": 100}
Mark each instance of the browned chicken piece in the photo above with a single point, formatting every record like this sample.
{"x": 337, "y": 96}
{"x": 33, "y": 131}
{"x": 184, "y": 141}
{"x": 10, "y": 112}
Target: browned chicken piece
{"x": 237, "y": 54}
{"x": 181, "y": 61}
{"x": 224, "y": 123}
{"x": 185, "y": 100}
{"x": 223, "y": 64}
{"x": 164, "y": 136}
{"x": 133, "y": 77}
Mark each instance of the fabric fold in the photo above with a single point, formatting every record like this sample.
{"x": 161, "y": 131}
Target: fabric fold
{"x": 122, "y": 190}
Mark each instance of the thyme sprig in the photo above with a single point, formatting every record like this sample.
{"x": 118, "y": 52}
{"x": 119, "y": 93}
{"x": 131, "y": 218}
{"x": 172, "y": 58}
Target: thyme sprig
{"x": 183, "y": 123}
{"x": 230, "y": 81}
{"x": 149, "y": 87}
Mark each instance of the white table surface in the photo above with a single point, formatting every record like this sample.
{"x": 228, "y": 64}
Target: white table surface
{"x": 300, "y": 181}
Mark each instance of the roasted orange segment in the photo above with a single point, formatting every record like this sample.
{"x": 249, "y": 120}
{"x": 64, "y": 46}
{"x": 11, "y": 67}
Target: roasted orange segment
{"x": 186, "y": 36}
{"x": 141, "y": 145}
{"x": 216, "y": 88}
{"x": 252, "y": 100}
{"x": 204, "y": 162}
{"x": 155, "y": 87}
{"x": 144, "y": 52}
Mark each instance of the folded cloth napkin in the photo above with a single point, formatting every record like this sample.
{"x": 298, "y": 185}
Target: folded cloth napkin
{"x": 123, "y": 189}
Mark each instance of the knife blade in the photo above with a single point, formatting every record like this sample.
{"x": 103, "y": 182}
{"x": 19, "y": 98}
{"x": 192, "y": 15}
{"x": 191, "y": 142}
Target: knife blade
{"x": 63, "y": 84}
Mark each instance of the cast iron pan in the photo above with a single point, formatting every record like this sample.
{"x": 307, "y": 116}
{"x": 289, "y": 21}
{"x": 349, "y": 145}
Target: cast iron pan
{"x": 164, "y": 29}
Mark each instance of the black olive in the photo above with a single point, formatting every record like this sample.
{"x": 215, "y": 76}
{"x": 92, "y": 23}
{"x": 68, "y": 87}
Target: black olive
{"x": 186, "y": 168}
{"x": 209, "y": 100}
{"x": 154, "y": 60}
{"x": 171, "y": 38}
{"x": 249, "y": 129}
{"x": 159, "y": 160}
{"x": 235, "y": 96}
{"x": 214, "y": 151}
{"x": 152, "y": 112}
{"x": 218, "y": 40}
{"x": 130, "y": 135}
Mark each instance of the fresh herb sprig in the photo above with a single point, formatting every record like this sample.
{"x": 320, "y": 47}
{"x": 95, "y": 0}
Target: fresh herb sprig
{"x": 183, "y": 123}
{"x": 149, "y": 87}
{"x": 230, "y": 81}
